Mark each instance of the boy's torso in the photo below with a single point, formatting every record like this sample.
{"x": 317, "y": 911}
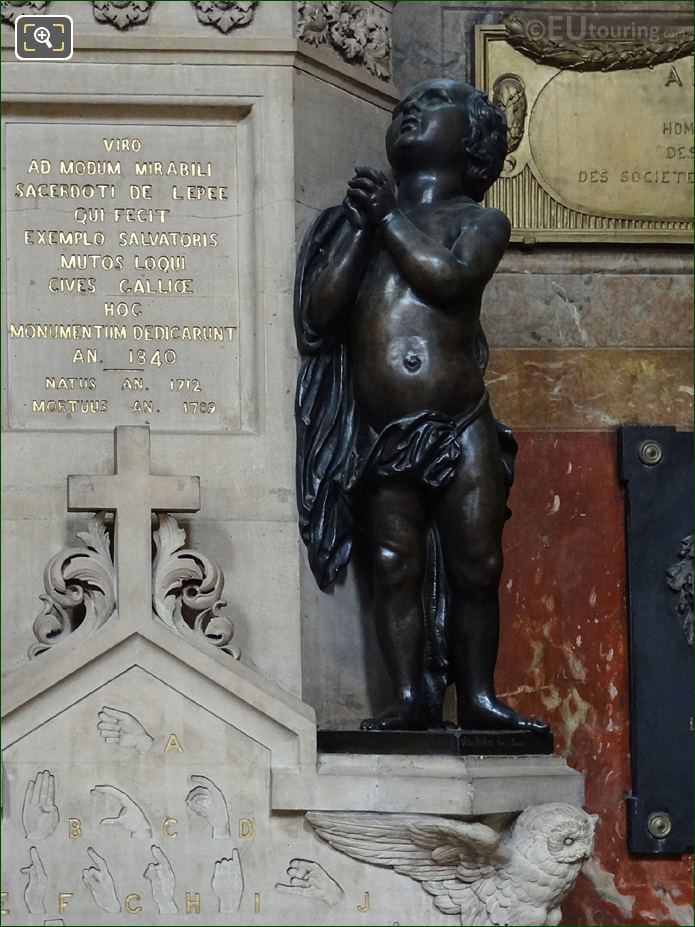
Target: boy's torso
{"x": 409, "y": 353}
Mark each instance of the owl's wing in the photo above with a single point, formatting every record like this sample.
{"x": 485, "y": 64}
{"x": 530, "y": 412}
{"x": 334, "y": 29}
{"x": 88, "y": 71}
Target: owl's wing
{"x": 500, "y": 898}
{"x": 445, "y": 855}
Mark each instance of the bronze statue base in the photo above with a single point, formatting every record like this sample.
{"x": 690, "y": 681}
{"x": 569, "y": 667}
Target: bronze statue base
{"x": 448, "y": 742}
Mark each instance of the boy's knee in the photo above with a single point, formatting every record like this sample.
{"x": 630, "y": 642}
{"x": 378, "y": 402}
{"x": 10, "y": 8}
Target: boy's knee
{"x": 482, "y": 572}
{"x": 393, "y": 565}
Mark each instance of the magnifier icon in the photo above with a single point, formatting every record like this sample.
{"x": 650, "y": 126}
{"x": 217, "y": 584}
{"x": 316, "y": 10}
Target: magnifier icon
{"x": 42, "y": 35}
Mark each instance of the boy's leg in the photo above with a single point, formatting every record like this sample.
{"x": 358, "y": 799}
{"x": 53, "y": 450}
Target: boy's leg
{"x": 470, "y": 515}
{"x": 396, "y": 524}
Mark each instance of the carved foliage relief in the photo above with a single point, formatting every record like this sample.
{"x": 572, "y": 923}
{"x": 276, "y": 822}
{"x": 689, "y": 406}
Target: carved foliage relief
{"x": 356, "y": 31}
{"x": 122, "y": 13}
{"x": 586, "y": 54}
{"x": 11, "y": 9}
{"x": 225, "y": 16}
{"x": 187, "y": 590}
{"x": 80, "y": 590}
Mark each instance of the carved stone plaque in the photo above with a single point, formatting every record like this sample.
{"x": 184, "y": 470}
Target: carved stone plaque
{"x": 125, "y": 272}
{"x": 600, "y": 132}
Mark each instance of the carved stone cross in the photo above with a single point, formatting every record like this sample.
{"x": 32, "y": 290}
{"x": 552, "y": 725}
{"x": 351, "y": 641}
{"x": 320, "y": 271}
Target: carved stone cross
{"x": 133, "y": 493}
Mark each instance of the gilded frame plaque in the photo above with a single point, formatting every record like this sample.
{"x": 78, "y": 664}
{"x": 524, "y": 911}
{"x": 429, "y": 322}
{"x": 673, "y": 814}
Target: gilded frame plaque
{"x": 600, "y": 135}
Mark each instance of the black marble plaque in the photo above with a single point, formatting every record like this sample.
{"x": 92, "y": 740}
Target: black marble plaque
{"x": 656, "y": 465}
{"x": 449, "y": 742}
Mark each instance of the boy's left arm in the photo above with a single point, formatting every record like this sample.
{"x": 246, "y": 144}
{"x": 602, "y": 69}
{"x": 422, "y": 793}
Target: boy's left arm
{"x": 481, "y": 245}
{"x": 442, "y": 275}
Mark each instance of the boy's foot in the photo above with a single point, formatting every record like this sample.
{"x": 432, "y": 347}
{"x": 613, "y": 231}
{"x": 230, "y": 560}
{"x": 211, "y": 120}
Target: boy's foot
{"x": 489, "y": 714}
{"x": 403, "y": 715}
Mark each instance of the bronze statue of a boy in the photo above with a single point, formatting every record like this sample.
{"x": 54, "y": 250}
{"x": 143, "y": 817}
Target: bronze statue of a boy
{"x": 395, "y": 432}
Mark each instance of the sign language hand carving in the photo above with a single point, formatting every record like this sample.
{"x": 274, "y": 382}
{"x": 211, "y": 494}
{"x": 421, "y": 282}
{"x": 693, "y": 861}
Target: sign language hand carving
{"x": 99, "y": 881}
{"x": 518, "y": 876}
{"x": 228, "y": 883}
{"x": 124, "y": 730}
{"x": 130, "y": 816}
{"x": 310, "y": 880}
{"x": 35, "y": 891}
{"x": 162, "y": 881}
{"x": 40, "y": 814}
{"x": 208, "y": 802}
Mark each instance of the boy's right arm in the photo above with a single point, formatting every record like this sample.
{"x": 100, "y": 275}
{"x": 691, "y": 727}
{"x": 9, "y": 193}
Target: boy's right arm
{"x": 334, "y": 293}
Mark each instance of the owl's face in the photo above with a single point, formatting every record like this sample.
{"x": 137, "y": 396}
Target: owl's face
{"x": 572, "y": 840}
{"x": 563, "y": 833}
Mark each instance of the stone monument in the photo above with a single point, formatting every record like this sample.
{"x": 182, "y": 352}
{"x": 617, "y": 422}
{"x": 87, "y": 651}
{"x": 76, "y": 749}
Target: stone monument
{"x": 159, "y": 756}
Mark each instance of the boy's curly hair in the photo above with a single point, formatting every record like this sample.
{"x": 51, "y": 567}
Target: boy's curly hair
{"x": 486, "y": 146}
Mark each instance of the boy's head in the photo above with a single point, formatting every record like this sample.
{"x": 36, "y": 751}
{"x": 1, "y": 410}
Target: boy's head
{"x": 444, "y": 122}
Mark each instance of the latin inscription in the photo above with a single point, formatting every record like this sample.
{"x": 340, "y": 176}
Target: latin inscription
{"x": 123, "y": 302}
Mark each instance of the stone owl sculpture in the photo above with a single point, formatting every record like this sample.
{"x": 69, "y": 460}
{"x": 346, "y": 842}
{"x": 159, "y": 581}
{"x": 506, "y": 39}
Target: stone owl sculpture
{"x": 517, "y": 876}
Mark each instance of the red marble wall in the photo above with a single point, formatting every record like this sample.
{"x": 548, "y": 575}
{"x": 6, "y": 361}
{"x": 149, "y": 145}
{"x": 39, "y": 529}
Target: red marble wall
{"x": 563, "y": 657}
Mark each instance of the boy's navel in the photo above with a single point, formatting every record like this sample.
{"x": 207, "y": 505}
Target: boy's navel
{"x": 412, "y": 361}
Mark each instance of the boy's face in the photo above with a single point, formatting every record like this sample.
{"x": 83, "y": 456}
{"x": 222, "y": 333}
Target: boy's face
{"x": 429, "y": 126}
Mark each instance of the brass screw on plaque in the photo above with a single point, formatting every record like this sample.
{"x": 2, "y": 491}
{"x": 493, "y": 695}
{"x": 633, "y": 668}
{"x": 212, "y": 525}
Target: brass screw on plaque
{"x": 659, "y": 824}
{"x": 651, "y": 453}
